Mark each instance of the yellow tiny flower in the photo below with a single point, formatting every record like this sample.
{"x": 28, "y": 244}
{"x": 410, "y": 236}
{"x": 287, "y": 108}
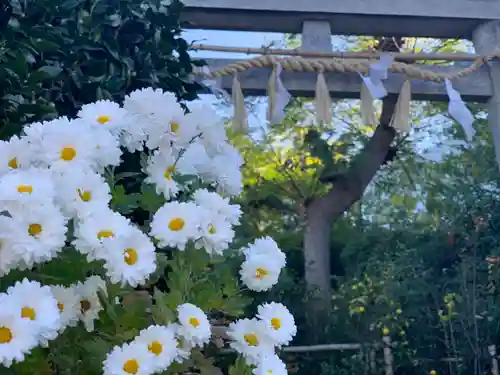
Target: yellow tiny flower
{"x": 433, "y": 372}
{"x": 362, "y": 309}
{"x": 399, "y": 311}
{"x": 385, "y": 331}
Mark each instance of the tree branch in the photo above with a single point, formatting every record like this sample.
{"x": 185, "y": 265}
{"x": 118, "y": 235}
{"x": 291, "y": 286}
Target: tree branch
{"x": 349, "y": 187}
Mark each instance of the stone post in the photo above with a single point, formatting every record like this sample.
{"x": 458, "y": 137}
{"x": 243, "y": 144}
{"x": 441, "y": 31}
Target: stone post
{"x": 486, "y": 39}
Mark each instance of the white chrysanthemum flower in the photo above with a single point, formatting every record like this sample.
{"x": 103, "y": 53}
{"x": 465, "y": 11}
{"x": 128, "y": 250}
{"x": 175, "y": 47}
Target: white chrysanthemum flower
{"x": 225, "y": 174}
{"x": 166, "y": 122}
{"x": 36, "y": 304}
{"x": 185, "y": 129}
{"x": 129, "y": 359}
{"x": 176, "y": 223}
{"x": 9, "y": 258}
{"x": 91, "y": 230}
{"x": 160, "y": 341}
{"x": 183, "y": 347}
{"x": 141, "y": 106}
{"x": 107, "y": 149}
{"x": 249, "y": 338}
{"x": 134, "y": 136}
{"x": 16, "y": 337}
{"x": 196, "y": 156}
{"x": 80, "y": 193}
{"x": 218, "y": 205}
{"x": 162, "y": 166}
{"x": 144, "y": 102}
{"x": 170, "y": 127}
{"x": 68, "y": 303}
{"x": 270, "y": 364}
{"x": 211, "y": 126}
{"x": 260, "y": 272}
{"x": 231, "y": 183}
{"x": 36, "y": 233}
{"x": 279, "y": 322}
{"x": 216, "y": 233}
{"x": 195, "y": 327}
{"x": 68, "y": 144}
{"x": 14, "y": 154}
{"x": 90, "y": 305}
{"x": 268, "y": 247}
{"x": 31, "y": 186}
{"x": 104, "y": 114}
{"x": 33, "y": 133}
{"x": 129, "y": 259}
{"x": 231, "y": 153}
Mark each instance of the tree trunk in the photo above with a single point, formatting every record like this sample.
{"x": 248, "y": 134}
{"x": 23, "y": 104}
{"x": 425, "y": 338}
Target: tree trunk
{"x": 346, "y": 189}
{"x": 323, "y": 211}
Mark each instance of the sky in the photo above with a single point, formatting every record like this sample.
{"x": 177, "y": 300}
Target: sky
{"x": 232, "y": 39}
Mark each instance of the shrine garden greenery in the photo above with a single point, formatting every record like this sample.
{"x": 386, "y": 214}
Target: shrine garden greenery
{"x": 140, "y": 235}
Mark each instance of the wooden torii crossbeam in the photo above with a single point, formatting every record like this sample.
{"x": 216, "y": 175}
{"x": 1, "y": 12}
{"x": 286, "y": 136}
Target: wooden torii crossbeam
{"x": 429, "y": 18}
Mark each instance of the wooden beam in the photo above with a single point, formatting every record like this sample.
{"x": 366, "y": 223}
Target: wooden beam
{"x": 474, "y": 87}
{"x": 422, "y": 18}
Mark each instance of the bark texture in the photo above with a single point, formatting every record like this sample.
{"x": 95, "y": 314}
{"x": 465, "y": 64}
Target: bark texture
{"x": 346, "y": 189}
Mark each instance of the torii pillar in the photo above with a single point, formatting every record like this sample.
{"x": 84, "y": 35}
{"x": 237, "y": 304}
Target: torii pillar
{"x": 316, "y": 37}
{"x": 486, "y": 39}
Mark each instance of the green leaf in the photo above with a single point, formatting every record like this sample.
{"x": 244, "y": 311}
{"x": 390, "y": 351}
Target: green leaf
{"x": 149, "y": 199}
{"x": 123, "y": 202}
{"x": 204, "y": 364}
{"x": 162, "y": 313}
{"x": 240, "y": 367}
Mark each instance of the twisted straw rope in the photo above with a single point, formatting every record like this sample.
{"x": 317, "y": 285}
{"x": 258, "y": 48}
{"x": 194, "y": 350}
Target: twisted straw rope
{"x": 301, "y": 64}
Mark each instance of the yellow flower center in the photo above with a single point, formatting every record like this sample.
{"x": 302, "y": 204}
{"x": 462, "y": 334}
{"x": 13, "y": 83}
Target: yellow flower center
{"x": 155, "y": 347}
{"x": 5, "y": 335}
{"x": 174, "y": 126}
{"x": 211, "y": 229}
{"x": 84, "y": 305}
{"x": 28, "y": 312}
{"x": 25, "y": 189}
{"x": 130, "y": 256}
{"x": 276, "y": 323}
{"x": 251, "y": 339}
{"x": 34, "y": 229}
{"x": 194, "y": 322}
{"x": 131, "y": 366}
{"x": 60, "y": 306}
{"x": 168, "y": 172}
{"x": 85, "y": 196}
{"x": 103, "y": 119}
{"x": 105, "y": 234}
{"x": 68, "y": 153}
{"x": 260, "y": 273}
{"x": 13, "y": 163}
{"x": 176, "y": 224}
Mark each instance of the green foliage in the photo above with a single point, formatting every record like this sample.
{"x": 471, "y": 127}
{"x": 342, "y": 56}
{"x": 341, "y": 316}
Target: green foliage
{"x": 409, "y": 257}
{"x": 56, "y": 56}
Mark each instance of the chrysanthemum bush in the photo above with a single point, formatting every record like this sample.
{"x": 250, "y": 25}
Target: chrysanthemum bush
{"x": 71, "y": 263}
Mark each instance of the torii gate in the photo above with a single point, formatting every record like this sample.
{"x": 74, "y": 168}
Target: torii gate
{"x": 476, "y": 20}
